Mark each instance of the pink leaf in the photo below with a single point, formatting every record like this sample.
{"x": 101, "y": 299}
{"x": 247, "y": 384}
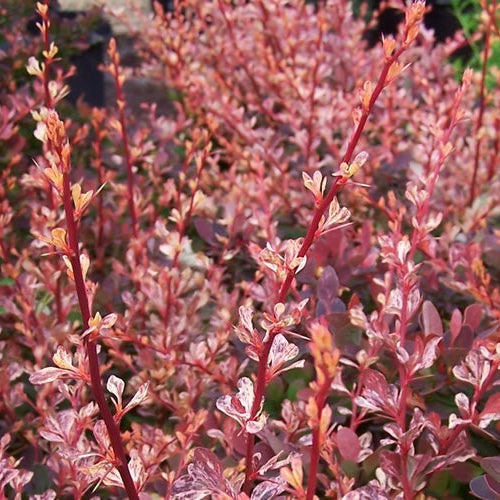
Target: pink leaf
{"x": 491, "y": 465}
{"x": 463, "y": 404}
{"x": 281, "y": 352}
{"x": 430, "y": 353}
{"x": 101, "y": 435}
{"x": 348, "y": 444}
{"x": 473, "y": 315}
{"x": 376, "y": 382}
{"x": 493, "y": 404}
{"x": 239, "y": 406}
{"x": 431, "y": 320}
{"x": 246, "y": 315}
{"x": 109, "y": 320}
{"x": 138, "y": 398}
{"x": 268, "y": 489}
{"x": 137, "y": 470}
{"x": 491, "y": 410}
{"x": 455, "y": 325}
{"x": 116, "y": 386}
{"x": 204, "y": 478}
{"x": 328, "y": 285}
{"x": 485, "y": 487}
{"x": 372, "y": 491}
{"x": 46, "y": 375}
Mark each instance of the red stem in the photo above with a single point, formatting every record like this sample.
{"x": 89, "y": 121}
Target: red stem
{"x": 416, "y": 236}
{"x": 120, "y": 98}
{"x": 338, "y": 183}
{"x": 496, "y": 149}
{"x": 48, "y": 103}
{"x": 482, "y": 103}
{"x": 95, "y": 376}
{"x": 316, "y": 435}
{"x": 100, "y": 201}
{"x": 478, "y": 394}
{"x": 46, "y": 45}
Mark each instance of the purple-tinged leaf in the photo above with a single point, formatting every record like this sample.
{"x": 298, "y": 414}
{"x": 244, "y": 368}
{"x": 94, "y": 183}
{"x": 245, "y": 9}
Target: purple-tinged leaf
{"x": 268, "y": 489}
{"x": 491, "y": 465}
{"x": 51, "y": 436}
{"x": 474, "y": 370}
{"x": 485, "y": 488}
{"x": 402, "y": 249}
{"x": 465, "y": 338}
{"x": 185, "y": 488}
{"x": 376, "y": 382}
{"x": 491, "y": 411}
{"x": 473, "y": 315}
{"x": 455, "y": 325}
{"x": 328, "y": 285}
{"x": 137, "y": 470}
{"x": 281, "y": 352}
{"x": 206, "y": 466}
{"x": 108, "y": 321}
{"x": 275, "y": 463}
{"x": 49, "y": 374}
{"x": 414, "y": 301}
{"x": 390, "y": 463}
{"x": 431, "y": 321}
{"x": 61, "y": 428}
{"x": 372, "y": 491}
{"x": 430, "y": 353}
{"x": 88, "y": 411}
{"x": 378, "y": 395}
{"x": 239, "y": 406}
{"x": 101, "y": 435}
{"x": 205, "y": 477}
{"x": 348, "y": 444}
{"x": 205, "y": 230}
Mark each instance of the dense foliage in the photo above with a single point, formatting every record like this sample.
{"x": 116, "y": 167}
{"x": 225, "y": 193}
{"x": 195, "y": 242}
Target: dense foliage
{"x": 286, "y": 285}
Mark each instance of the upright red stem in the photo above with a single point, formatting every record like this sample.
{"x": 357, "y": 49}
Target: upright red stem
{"x": 48, "y": 102}
{"x": 482, "y": 102}
{"x": 48, "y": 60}
{"x": 316, "y": 441}
{"x": 97, "y": 120}
{"x": 95, "y": 376}
{"x": 414, "y": 15}
{"x": 120, "y": 99}
{"x": 338, "y": 183}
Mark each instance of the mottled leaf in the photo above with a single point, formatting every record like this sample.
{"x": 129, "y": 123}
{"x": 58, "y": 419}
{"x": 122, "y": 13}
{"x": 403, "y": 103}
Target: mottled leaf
{"x": 268, "y": 490}
{"x": 46, "y": 375}
{"x": 204, "y": 478}
{"x": 139, "y": 397}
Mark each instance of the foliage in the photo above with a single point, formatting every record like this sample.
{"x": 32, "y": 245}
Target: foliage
{"x": 471, "y": 15}
{"x": 287, "y": 287}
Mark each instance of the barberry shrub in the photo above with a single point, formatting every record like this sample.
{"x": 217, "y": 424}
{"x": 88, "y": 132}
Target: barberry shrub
{"x": 285, "y": 285}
